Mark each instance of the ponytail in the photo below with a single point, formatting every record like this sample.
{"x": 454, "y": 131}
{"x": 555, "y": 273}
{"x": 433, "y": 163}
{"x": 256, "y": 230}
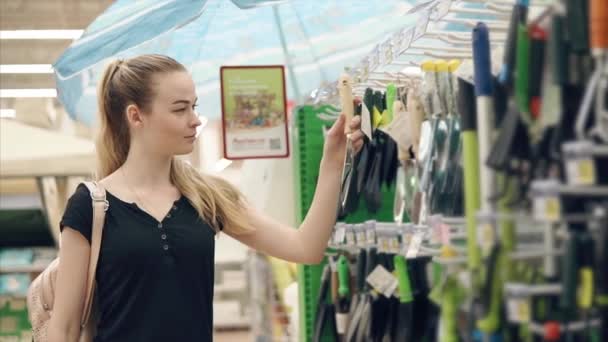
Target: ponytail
{"x": 113, "y": 139}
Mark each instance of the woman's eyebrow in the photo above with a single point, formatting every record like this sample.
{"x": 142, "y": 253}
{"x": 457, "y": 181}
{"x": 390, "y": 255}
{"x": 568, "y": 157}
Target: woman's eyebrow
{"x": 184, "y": 101}
{"x": 181, "y": 101}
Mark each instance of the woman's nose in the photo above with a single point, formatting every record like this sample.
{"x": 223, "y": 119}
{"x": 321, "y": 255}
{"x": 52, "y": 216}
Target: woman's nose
{"x": 197, "y": 120}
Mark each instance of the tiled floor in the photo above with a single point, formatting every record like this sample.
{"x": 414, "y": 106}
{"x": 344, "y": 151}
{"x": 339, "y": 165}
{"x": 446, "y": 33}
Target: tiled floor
{"x": 233, "y": 336}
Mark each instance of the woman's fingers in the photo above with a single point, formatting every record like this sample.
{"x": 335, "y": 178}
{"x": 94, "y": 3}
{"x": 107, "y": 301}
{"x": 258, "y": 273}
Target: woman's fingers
{"x": 355, "y": 123}
{"x": 358, "y": 145}
{"x": 356, "y": 136}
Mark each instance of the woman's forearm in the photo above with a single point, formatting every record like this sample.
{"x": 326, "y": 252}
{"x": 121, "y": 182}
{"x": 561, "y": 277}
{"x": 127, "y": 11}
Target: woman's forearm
{"x": 318, "y": 224}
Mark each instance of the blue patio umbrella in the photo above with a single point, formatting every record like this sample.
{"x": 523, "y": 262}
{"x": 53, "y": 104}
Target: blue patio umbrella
{"x": 315, "y": 39}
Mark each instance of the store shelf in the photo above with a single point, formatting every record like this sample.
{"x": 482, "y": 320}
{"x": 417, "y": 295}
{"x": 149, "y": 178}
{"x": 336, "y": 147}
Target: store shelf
{"x": 307, "y": 153}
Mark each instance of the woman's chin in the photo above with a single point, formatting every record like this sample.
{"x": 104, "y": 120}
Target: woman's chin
{"x": 184, "y": 151}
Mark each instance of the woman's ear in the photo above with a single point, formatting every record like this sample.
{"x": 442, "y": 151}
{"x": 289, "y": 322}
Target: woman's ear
{"x": 134, "y": 116}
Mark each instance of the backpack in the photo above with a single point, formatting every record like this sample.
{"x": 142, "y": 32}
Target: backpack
{"x": 41, "y": 293}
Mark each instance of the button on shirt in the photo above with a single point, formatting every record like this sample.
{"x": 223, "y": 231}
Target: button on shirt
{"x": 154, "y": 279}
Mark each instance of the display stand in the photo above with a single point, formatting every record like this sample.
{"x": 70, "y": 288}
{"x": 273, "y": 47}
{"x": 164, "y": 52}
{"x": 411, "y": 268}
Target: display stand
{"x": 307, "y": 152}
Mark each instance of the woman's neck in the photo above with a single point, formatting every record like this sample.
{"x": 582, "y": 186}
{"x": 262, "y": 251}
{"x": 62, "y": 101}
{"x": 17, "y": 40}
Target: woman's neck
{"x": 146, "y": 170}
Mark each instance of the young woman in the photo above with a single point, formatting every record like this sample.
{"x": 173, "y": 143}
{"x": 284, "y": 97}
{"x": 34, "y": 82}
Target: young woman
{"x": 155, "y": 271}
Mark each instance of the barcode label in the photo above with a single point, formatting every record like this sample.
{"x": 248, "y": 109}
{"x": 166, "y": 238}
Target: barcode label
{"x": 275, "y": 144}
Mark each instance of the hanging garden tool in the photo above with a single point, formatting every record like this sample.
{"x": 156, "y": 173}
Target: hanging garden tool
{"x": 347, "y": 105}
{"x": 467, "y": 110}
{"x": 485, "y": 111}
{"x": 490, "y": 298}
{"x": 363, "y": 331}
{"x": 325, "y": 315}
{"x": 601, "y": 281}
{"x": 597, "y": 87}
{"x": 411, "y": 166}
{"x": 511, "y": 152}
{"x": 519, "y": 14}
{"x": 446, "y": 171}
{"x": 448, "y": 295}
{"x": 450, "y": 164}
{"x": 344, "y": 293}
{"x": 358, "y": 301}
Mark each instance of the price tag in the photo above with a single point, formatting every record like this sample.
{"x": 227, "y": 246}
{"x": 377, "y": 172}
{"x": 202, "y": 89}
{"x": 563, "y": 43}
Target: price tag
{"x": 406, "y": 238}
{"x": 382, "y": 281}
{"x": 414, "y": 246}
{"x": 547, "y": 208}
{"x": 581, "y": 171}
{"x": 350, "y": 237}
{"x": 518, "y": 310}
{"x": 339, "y": 235}
{"x": 361, "y": 240}
{"x": 383, "y": 244}
{"x": 371, "y": 237}
{"x": 341, "y": 322}
{"x": 394, "y": 244}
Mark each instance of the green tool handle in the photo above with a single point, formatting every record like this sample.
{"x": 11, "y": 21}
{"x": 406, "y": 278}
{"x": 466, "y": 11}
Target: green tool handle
{"x": 522, "y": 69}
{"x": 405, "y": 287}
{"x": 470, "y": 154}
{"x": 492, "y": 294}
{"x": 507, "y": 227}
{"x": 449, "y": 312}
{"x": 391, "y": 96}
{"x": 586, "y": 272}
{"x": 471, "y": 194}
{"x": 343, "y": 277}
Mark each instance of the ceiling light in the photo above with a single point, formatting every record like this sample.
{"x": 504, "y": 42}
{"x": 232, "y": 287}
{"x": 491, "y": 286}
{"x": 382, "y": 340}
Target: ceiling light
{"x": 8, "y": 93}
{"x": 26, "y": 69}
{"x": 8, "y": 113}
{"x": 221, "y": 165}
{"x": 40, "y": 34}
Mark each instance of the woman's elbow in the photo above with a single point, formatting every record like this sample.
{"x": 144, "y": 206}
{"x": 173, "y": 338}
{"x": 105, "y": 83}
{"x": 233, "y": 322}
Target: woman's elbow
{"x": 312, "y": 259}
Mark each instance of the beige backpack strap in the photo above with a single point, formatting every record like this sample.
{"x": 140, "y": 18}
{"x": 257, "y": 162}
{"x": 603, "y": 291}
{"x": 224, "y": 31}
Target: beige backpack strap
{"x": 100, "y": 205}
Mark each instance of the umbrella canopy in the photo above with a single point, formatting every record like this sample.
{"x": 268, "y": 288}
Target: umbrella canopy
{"x": 315, "y": 39}
{"x": 28, "y": 151}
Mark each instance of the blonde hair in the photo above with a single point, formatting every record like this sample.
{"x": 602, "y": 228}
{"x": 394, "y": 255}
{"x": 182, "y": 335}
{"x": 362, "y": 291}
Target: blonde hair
{"x": 130, "y": 82}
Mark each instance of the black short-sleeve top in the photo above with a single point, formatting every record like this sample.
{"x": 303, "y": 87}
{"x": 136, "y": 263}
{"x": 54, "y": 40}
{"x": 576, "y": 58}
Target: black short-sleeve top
{"x": 154, "y": 279}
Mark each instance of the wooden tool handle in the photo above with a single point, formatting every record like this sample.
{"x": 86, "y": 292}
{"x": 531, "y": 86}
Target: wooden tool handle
{"x": 598, "y": 15}
{"x": 346, "y": 100}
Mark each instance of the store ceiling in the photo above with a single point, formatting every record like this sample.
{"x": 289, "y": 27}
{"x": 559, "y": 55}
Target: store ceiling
{"x": 37, "y": 15}
{"x": 46, "y": 111}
